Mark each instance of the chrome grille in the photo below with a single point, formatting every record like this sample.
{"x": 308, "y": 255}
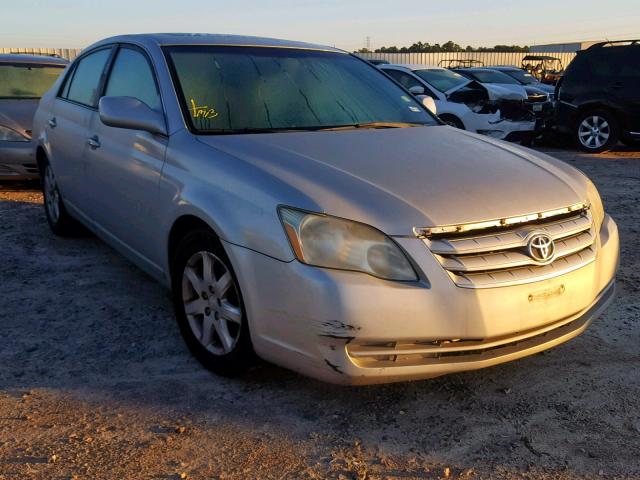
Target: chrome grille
{"x": 497, "y": 256}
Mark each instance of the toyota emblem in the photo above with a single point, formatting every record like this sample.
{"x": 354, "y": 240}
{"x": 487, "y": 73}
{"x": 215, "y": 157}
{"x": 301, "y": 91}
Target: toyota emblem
{"x": 541, "y": 247}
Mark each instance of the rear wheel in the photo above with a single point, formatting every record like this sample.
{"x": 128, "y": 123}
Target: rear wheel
{"x": 208, "y": 305}
{"x": 59, "y": 220}
{"x": 596, "y": 131}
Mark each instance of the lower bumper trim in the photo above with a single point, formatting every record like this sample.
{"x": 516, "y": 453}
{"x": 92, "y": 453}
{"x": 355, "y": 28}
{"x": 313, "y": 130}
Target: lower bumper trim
{"x": 440, "y": 353}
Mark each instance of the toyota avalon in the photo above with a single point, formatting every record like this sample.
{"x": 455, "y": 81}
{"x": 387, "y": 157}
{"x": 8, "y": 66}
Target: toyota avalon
{"x": 306, "y": 209}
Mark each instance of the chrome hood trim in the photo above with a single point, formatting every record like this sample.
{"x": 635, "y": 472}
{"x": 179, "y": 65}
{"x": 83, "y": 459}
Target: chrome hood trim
{"x": 424, "y": 232}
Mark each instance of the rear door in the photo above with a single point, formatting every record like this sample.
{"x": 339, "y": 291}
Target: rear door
{"x": 616, "y": 72}
{"x": 628, "y": 86}
{"x": 124, "y": 166}
{"x": 68, "y": 125}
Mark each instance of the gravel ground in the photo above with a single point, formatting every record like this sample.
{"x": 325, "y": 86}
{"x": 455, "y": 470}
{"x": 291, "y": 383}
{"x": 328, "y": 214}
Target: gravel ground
{"x": 95, "y": 382}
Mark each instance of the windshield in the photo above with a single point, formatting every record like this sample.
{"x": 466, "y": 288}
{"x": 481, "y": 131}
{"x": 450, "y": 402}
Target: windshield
{"x": 522, "y": 76}
{"x": 492, "y": 76}
{"x": 258, "y": 89}
{"x": 26, "y": 80}
{"x": 441, "y": 79}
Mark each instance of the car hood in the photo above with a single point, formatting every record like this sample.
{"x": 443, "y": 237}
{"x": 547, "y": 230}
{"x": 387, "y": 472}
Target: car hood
{"x": 397, "y": 179}
{"x": 496, "y": 92}
{"x": 506, "y": 91}
{"x": 543, "y": 87}
{"x": 18, "y": 114}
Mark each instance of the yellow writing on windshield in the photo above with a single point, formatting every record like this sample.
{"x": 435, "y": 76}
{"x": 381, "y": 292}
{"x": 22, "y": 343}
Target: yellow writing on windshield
{"x": 202, "y": 111}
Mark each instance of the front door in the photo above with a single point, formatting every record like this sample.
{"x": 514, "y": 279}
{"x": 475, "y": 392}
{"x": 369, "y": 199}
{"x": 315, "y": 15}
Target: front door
{"x": 124, "y": 166}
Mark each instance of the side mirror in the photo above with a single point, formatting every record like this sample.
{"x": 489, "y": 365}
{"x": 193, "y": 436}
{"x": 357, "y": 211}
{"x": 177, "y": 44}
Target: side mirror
{"x": 130, "y": 113}
{"x": 417, "y": 90}
{"x": 429, "y": 102}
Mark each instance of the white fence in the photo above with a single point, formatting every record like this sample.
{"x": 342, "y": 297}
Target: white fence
{"x": 68, "y": 53}
{"x": 489, "y": 58}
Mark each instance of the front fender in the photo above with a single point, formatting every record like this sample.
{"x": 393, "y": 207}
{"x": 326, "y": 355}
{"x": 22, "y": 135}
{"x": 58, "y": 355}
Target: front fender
{"x": 238, "y": 201}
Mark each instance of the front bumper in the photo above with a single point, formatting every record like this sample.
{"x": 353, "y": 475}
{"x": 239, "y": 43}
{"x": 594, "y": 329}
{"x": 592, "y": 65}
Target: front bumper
{"x": 17, "y": 161}
{"x": 350, "y": 328}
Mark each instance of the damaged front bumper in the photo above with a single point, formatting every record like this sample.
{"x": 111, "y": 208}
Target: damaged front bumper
{"x": 351, "y": 328}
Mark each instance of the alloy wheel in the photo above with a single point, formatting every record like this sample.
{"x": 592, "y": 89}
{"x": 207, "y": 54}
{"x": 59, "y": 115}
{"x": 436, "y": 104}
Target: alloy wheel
{"x": 594, "y": 132}
{"x": 52, "y": 196}
{"x": 211, "y": 303}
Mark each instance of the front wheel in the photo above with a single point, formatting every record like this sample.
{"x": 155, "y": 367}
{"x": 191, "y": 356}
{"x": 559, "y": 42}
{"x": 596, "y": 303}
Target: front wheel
{"x": 596, "y": 131}
{"x": 452, "y": 120}
{"x": 209, "y": 306}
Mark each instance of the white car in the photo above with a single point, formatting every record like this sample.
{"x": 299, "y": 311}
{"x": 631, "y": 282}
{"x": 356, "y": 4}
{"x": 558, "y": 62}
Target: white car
{"x": 466, "y": 104}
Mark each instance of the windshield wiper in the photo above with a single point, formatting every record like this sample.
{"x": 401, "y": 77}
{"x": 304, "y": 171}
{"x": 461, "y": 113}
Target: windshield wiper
{"x": 373, "y": 125}
{"x": 236, "y": 131}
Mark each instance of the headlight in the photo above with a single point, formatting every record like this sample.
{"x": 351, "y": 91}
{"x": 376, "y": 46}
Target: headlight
{"x": 597, "y": 209}
{"x": 331, "y": 242}
{"x": 9, "y": 135}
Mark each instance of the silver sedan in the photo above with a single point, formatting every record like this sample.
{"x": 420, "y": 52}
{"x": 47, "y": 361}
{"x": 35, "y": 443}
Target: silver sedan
{"x": 304, "y": 208}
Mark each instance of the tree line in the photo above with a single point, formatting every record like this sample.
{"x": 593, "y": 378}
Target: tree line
{"x": 419, "y": 47}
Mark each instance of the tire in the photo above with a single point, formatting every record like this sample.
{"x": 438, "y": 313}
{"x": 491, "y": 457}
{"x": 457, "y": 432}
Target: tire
{"x": 596, "y": 131}
{"x": 452, "y": 120}
{"x": 208, "y": 305}
{"x": 59, "y": 220}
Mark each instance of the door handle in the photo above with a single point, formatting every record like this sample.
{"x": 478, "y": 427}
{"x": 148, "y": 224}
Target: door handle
{"x": 93, "y": 142}
{"x": 52, "y": 122}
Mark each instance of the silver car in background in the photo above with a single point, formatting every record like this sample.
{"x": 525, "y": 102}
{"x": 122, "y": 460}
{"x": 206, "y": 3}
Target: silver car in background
{"x": 304, "y": 207}
{"x": 23, "y": 80}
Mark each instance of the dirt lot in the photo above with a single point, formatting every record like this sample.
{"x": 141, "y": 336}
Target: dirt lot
{"x": 95, "y": 382}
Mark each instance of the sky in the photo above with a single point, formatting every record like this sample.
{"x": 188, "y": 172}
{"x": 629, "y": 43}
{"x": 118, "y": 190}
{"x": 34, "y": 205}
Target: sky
{"x": 344, "y": 24}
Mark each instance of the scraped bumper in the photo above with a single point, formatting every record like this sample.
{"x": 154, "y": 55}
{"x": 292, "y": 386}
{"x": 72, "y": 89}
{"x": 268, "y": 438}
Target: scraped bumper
{"x": 350, "y": 328}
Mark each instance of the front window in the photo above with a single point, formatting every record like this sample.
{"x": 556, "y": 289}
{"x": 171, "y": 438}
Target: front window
{"x": 228, "y": 89}
{"x": 492, "y": 76}
{"x": 442, "y": 79}
{"x": 27, "y": 80}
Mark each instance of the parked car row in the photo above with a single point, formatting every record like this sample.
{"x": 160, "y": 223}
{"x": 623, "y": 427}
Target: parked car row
{"x": 596, "y": 101}
{"x": 303, "y": 207}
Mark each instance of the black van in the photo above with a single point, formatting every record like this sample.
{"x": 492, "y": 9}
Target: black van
{"x": 599, "y": 96}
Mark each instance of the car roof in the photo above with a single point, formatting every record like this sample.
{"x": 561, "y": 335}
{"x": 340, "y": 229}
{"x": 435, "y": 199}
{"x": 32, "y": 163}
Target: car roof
{"x": 413, "y": 66}
{"x": 540, "y": 57}
{"x": 475, "y": 69}
{"x": 166, "y": 39}
{"x": 509, "y": 68}
{"x": 32, "y": 59}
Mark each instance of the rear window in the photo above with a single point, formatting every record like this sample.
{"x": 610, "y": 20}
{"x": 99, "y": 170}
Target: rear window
{"x": 27, "y": 80}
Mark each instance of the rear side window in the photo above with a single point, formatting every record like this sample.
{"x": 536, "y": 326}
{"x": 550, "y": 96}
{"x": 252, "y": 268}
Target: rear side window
{"x": 131, "y": 76}
{"x": 85, "y": 84}
{"x": 605, "y": 64}
{"x": 26, "y": 80}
